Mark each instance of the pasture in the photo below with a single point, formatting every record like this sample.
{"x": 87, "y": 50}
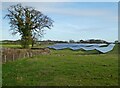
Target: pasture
{"x": 63, "y": 68}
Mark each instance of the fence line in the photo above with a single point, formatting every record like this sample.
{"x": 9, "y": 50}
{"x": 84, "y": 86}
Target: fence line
{"x": 14, "y": 54}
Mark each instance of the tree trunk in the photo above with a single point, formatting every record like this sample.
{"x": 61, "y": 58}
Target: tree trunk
{"x": 32, "y": 43}
{"x": 25, "y": 42}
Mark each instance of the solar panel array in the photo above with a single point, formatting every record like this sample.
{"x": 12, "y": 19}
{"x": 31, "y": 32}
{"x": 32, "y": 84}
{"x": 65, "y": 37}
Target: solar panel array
{"x": 103, "y": 48}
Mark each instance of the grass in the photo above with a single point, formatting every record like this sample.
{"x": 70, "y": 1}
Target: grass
{"x": 19, "y": 46}
{"x": 63, "y": 68}
{"x": 10, "y": 45}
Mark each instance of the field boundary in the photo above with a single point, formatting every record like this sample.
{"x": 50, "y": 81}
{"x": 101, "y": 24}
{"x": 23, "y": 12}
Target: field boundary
{"x": 9, "y": 54}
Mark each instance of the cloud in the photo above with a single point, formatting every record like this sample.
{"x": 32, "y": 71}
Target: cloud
{"x": 76, "y": 12}
{"x": 54, "y": 8}
{"x": 107, "y": 14}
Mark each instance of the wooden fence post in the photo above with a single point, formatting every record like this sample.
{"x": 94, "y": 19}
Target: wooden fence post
{"x": 30, "y": 54}
{"x": 27, "y": 54}
{"x": 24, "y": 55}
{"x": 13, "y": 57}
{"x": 5, "y": 58}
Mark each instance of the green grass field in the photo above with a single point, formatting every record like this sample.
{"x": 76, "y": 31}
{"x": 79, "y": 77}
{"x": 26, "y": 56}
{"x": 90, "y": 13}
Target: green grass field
{"x": 63, "y": 68}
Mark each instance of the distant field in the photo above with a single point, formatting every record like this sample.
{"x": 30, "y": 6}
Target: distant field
{"x": 63, "y": 68}
{"x": 19, "y": 46}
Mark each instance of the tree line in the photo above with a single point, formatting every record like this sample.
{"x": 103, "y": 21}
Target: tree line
{"x": 58, "y": 41}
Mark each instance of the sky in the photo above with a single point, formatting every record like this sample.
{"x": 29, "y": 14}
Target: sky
{"x": 72, "y": 20}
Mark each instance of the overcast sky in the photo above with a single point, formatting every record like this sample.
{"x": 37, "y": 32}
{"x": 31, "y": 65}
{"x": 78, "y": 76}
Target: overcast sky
{"x": 73, "y": 20}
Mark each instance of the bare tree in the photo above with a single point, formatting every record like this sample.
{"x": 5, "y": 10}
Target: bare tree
{"x": 28, "y": 22}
